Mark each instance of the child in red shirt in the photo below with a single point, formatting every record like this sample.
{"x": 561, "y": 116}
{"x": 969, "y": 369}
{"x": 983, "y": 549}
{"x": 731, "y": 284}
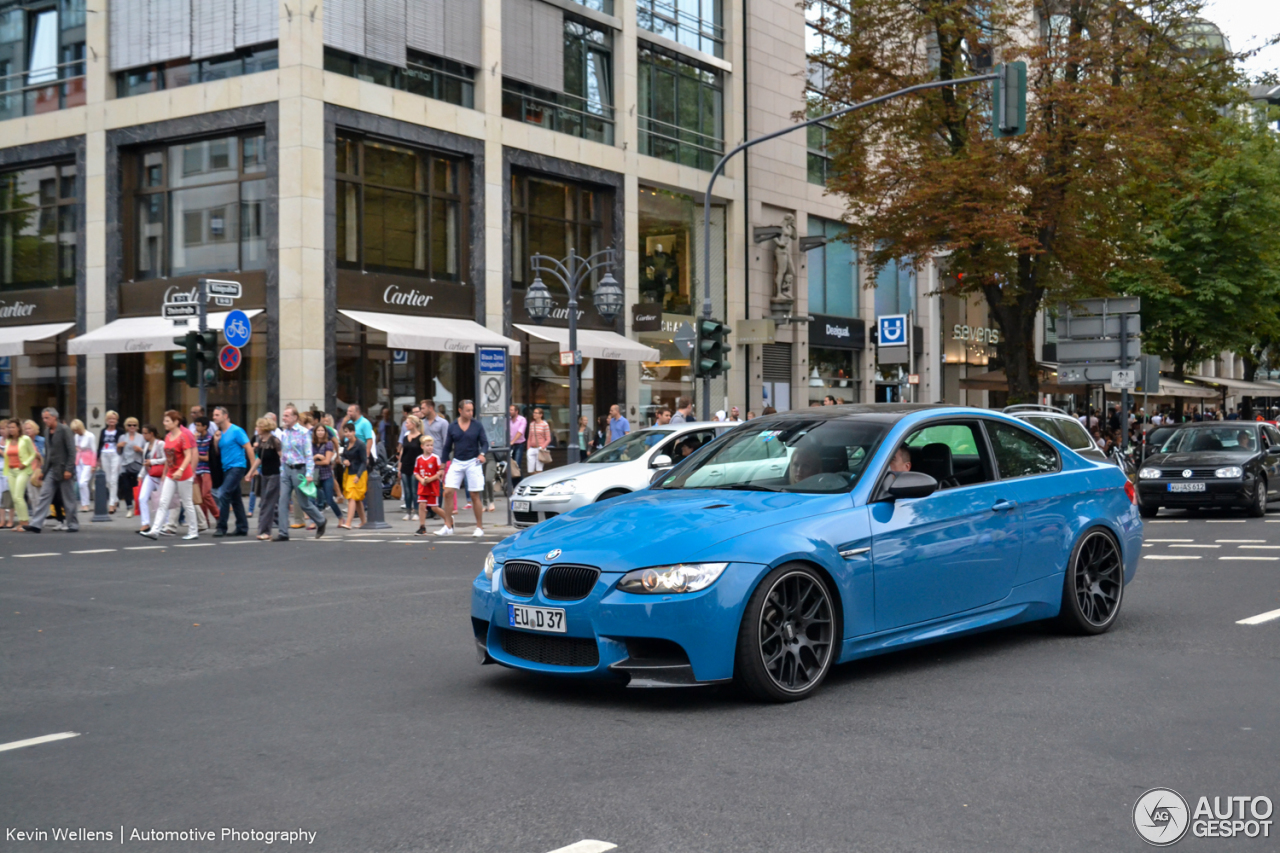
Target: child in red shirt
{"x": 427, "y": 472}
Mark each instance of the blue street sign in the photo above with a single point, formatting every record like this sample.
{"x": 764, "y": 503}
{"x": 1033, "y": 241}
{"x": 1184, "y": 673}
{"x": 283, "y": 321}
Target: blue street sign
{"x": 893, "y": 330}
{"x": 399, "y": 356}
{"x": 237, "y": 329}
{"x": 4, "y": 362}
{"x": 492, "y": 360}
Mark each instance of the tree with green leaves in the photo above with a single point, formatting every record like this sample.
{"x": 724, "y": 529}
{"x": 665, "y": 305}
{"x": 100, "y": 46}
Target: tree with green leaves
{"x": 1118, "y": 96}
{"x": 1213, "y": 281}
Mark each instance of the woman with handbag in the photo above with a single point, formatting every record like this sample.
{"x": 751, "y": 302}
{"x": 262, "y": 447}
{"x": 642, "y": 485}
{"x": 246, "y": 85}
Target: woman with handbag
{"x": 266, "y": 465}
{"x": 131, "y": 448}
{"x": 410, "y": 450}
{"x": 539, "y": 440}
{"x": 109, "y": 458}
{"x": 356, "y": 461}
{"x": 153, "y": 466}
{"x": 322, "y": 448}
{"x": 19, "y": 463}
{"x": 86, "y": 460}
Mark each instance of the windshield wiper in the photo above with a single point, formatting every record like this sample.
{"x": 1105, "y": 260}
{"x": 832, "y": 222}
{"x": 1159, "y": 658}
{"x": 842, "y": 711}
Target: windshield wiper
{"x": 744, "y": 487}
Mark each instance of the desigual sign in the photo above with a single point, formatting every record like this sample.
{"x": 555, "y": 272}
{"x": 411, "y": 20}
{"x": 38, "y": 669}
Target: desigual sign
{"x": 977, "y": 334}
{"x": 839, "y": 332}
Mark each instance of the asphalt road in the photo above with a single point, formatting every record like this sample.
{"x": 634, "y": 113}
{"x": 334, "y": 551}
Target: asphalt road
{"x": 332, "y": 687}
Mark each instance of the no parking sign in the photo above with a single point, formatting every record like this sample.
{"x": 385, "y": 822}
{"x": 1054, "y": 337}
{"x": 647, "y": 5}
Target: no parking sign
{"x": 229, "y": 358}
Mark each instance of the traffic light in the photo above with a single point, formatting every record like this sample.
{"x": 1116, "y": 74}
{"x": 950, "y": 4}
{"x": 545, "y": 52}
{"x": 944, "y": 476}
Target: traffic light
{"x": 207, "y": 352}
{"x": 188, "y": 360}
{"x": 711, "y": 351}
{"x": 1009, "y": 100}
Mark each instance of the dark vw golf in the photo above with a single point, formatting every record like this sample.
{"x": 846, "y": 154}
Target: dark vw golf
{"x": 1220, "y": 464}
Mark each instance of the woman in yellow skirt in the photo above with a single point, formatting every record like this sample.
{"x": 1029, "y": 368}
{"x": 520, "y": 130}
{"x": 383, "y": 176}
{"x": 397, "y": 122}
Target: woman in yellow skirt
{"x": 356, "y": 460}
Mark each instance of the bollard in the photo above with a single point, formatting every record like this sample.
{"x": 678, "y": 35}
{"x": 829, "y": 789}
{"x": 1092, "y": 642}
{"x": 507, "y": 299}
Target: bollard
{"x": 373, "y": 501}
{"x": 100, "y": 497}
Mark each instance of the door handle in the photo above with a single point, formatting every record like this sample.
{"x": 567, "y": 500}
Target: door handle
{"x": 1001, "y": 506}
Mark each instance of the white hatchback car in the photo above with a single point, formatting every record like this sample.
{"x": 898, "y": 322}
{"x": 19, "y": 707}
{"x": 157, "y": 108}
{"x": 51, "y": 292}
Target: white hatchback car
{"x": 617, "y": 468}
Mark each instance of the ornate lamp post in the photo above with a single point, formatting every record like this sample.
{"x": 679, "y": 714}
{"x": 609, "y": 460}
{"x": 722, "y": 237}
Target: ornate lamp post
{"x": 572, "y": 272}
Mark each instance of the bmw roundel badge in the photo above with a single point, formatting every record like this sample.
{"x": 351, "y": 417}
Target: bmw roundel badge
{"x": 551, "y": 555}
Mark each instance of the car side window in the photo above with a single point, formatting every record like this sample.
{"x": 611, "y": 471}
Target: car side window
{"x": 1019, "y": 453}
{"x": 1273, "y": 434}
{"x": 950, "y": 453}
{"x": 1074, "y": 435}
{"x": 1048, "y": 425}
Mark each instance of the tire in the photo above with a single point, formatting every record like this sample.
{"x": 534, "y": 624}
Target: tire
{"x": 1091, "y": 602}
{"x": 1148, "y": 511}
{"x": 612, "y": 493}
{"x": 1258, "y": 502}
{"x": 789, "y": 636}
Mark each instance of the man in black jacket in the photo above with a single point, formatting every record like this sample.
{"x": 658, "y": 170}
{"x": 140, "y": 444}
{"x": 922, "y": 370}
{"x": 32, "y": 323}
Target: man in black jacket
{"x": 57, "y": 473}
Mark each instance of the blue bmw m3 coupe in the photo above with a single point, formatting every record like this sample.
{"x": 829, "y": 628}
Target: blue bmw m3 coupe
{"x": 810, "y": 538}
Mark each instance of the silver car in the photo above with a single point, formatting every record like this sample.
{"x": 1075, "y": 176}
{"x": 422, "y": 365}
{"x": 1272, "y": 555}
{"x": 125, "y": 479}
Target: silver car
{"x": 1061, "y": 426}
{"x": 619, "y": 467}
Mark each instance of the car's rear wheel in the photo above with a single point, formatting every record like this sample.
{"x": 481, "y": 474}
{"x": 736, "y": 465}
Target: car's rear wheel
{"x": 612, "y": 493}
{"x": 1094, "y": 585}
{"x": 1258, "y": 503}
{"x": 1148, "y": 511}
{"x": 788, "y": 638}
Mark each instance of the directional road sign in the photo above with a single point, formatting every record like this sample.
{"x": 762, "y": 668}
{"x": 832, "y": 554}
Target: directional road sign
{"x": 1113, "y": 305}
{"x": 237, "y": 329}
{"x": 1123, "y": 379}
{"x": 893, "y": 330}
{"x": 685, "y": 339}
{"x": 229, "y": 358}
{"x": 227, "y": 289}
{"x": 1099, "y": 350}
{"x": 180, "y": 310}
{"x": 1075, "y": 327}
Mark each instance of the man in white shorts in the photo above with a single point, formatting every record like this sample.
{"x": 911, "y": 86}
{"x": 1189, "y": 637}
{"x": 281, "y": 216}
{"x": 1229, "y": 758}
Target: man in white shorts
{"x": 467, "y": 442}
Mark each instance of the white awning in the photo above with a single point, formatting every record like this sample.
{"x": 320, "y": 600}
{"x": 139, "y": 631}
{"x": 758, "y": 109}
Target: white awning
{"x": 437, "y": 334}
{"x": 13, "y": 338}
{"x": 1236, "y": 386}
{"x": 595, "y": 343}
{"x": 141, "y": 334}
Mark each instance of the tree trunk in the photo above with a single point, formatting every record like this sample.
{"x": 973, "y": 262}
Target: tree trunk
{"x": 1246, "y": 403}
{"x": 1017, "y": 321}
{"x": 1179, "y": 374}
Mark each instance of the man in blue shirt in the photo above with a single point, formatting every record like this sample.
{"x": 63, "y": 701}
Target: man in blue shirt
{"x": 618, "y": 425}
{"x": 237, "y": 456}
{"x": 467, "y": 441}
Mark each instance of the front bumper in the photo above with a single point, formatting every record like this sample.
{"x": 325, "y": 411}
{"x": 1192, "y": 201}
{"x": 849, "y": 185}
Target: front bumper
{"x": 645, "y": 640}
{"x": 1217, "y": 493}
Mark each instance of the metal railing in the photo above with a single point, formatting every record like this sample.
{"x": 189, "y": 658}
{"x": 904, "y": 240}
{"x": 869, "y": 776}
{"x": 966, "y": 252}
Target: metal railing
{"x": 690, "y": 30}
{"x": 20, "y": 97}
{"x": 672, "y": 142}
{"x": 594, "y": 120}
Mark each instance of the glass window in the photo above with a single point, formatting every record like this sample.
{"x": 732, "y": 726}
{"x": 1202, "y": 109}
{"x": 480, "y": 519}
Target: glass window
{"x": 895, "y": 288}
{"x": 681, "y": 110}
{"x": 399, "y": 210}
{"x": 184, "y": 72}
{"x": 198, "y": 208}
{"x": 694, "y": 23}
{"x": 629, "y": 447}
{"x": 1019, "y": 453}
{"x": 834, "y": 373}
{"x": 38, "y": 216}
{"x": 833, "y": 271}
{"x": 792, "y": 456}
{"x": 950, "y": 453}
{"x": 585, "y": 107}
{"x": 423, "y": 74}
{"x": 549, "y": 217}
{"x": 1212, "y": 439}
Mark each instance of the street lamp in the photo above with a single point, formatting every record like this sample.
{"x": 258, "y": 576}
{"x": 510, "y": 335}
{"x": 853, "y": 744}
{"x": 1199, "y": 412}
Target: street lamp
{"x": 572, "y": 272}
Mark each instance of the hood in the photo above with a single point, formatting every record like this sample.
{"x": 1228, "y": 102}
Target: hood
{"x": 1201, "y": 459}
{"x": 650, "y": 528}
{"x": 564, "y": 472}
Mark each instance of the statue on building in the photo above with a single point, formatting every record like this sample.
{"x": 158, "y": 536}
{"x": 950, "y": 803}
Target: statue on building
{"x": 784, "y": 274}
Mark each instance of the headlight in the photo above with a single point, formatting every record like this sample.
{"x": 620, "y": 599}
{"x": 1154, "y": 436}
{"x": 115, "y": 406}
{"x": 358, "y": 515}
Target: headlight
{"x": 564, "y": 487}
{"x": 1148, "y": 473}
{"x": 488, "y": 565}
{"x": 685, "y": 577}
{"x": 1229, "y": 471}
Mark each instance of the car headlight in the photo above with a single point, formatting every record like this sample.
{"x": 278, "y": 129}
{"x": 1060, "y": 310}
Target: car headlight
{"x": 564, "y": 487}
{"x": 684, "y": 577}
{"x": 1229, "y": 471}
{"x": 489, "y": 564}
{"x": 1148, "y": 473}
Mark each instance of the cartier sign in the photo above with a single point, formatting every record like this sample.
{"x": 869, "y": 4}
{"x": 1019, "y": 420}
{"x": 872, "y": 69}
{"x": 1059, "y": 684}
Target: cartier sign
{"x": 146, "y": 298}
{"x": 399, "y": 294}
{"x": 39, "y": 305}
{"x": 646, "y": 317}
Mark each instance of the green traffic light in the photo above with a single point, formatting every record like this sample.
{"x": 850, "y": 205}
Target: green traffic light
{"x": 1009, "y": 100}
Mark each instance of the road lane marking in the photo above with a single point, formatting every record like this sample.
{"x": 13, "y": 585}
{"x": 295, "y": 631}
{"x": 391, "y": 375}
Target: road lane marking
{"x": 1225, "y": 521}
{"x": 18, "y": 744}
{"x": 1252, "y": 620}
{"x": 1237, "y": 541}
{"x": 1260, "y": 547}
{"x": 1252, "y": 557}
{"x": 1171, "y": 521}
{"x": 586, "y": 846}
{"x": 196, "y": 545}
{"x": 96, "y": 551}
{"x": 1195, "y": 546}
{"x": 1170, "y": 556}
{"x": 1171, "y": 540}
{"x": 147, "y": 548}
{"x": 44, "y": 554}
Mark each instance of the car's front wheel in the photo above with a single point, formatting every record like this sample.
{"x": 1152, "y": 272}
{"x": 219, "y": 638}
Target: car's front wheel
{"x": 1258, "y": 504}
{"x": 789, "y": 636}
{"x": 1094, "y": 585}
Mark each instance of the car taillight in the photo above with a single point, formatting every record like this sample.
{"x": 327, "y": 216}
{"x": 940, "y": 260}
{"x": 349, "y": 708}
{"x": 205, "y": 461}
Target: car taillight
{"x": 1131, "y": 492}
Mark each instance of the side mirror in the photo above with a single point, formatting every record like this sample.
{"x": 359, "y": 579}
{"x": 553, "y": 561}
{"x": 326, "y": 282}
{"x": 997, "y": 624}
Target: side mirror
{"x": 910, "y": 484}
{"x": 1273, "y": 450}
{"x": 662, "y": 460}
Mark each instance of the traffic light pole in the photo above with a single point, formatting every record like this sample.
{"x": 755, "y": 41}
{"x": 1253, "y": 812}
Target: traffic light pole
{"x": 202, "y": 300}
{"x": 706, "y": 198}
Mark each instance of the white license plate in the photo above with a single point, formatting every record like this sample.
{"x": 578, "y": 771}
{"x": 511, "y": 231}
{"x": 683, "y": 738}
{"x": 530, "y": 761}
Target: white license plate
{"x": 536, "y": 618}
{"x": 519, "y": 506}
{"x": 1186, "y": 487}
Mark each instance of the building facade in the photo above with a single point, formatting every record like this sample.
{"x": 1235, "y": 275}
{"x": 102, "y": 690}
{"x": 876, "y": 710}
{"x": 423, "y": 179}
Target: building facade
{"x": 377, "y": 175}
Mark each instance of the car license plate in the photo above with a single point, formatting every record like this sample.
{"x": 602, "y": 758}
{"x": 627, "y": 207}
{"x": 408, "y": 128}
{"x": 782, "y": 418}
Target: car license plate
{"x": 519, "y": 506}
{"x": 536, "y": 618}
{"x": 1186, "y": 487}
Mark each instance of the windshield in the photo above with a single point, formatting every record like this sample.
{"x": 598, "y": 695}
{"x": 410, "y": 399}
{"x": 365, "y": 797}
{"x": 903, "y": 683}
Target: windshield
{"x": 820, "y": 456}
{"x": 629, "y": 447}
{"x": 1209, "y": 439}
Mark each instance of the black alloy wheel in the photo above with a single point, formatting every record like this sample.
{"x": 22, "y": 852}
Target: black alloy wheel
{"x": 787, "y": 641}
{"x": 1094, "y": 585}
{"x": 1258, "y": 504}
